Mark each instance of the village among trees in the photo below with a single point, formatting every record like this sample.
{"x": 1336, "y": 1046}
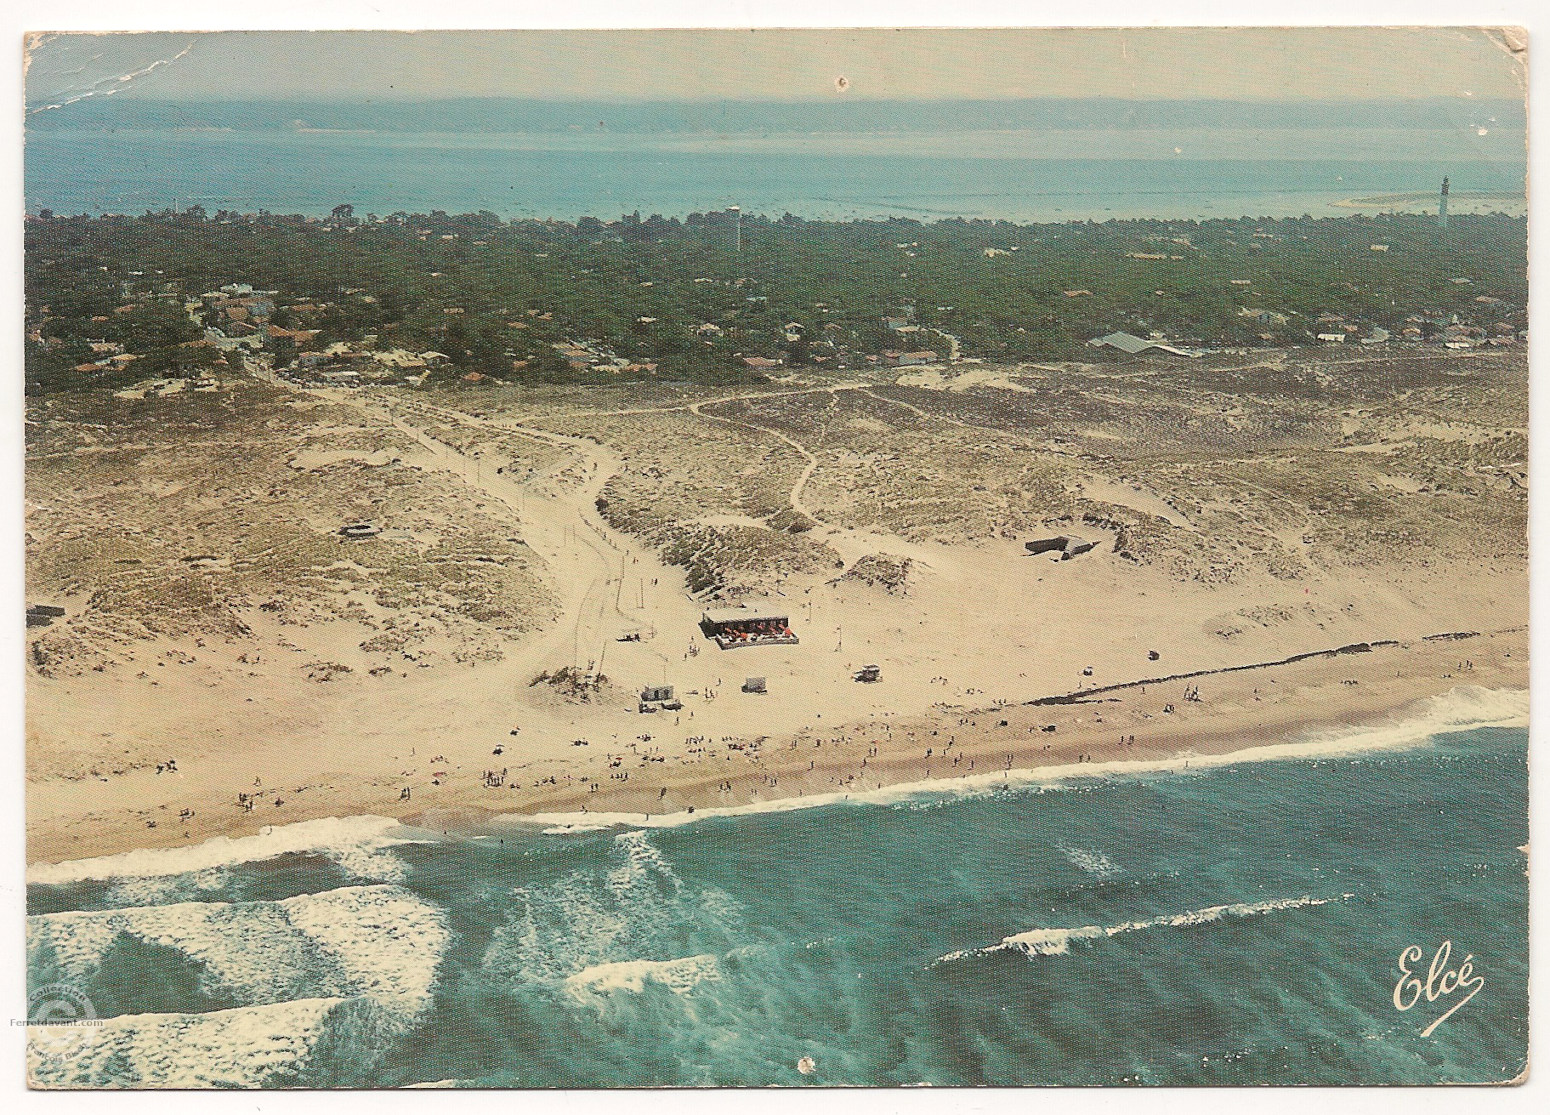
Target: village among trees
{"x": 730, "y": 296}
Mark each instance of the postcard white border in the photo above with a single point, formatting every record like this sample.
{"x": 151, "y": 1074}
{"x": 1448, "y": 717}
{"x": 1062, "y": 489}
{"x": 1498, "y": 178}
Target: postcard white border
{"x": 32, "y": 15}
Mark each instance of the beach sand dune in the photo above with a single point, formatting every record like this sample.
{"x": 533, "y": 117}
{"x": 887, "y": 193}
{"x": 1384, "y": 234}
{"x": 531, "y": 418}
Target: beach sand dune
{"x": 228, "y": 660}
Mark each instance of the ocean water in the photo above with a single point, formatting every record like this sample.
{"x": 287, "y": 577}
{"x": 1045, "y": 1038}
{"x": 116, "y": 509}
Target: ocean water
{"x": 1033, "y": 176}
{"x": 1238, "y": 923}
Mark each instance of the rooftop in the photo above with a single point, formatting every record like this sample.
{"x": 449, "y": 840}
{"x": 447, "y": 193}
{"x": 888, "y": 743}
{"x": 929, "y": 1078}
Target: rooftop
{"x": 750, "y": 614}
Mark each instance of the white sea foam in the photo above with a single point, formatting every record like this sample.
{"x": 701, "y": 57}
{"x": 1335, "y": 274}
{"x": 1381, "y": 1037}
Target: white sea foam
{"x": 388, "y": 941}
{"x": 1057, "y": 941}
{"x": 343, "y": 836}
{"x": 641, "y": 859}
{"x": 358, "y": 964}
{"x": 680, "y": 975}
{"x": 1093, "y": 862}
{"x": 240, "y": 1048}
{"x": 249, "y": 950}
{"x": 382, "y": 942}
{"x": 1460, "y": 709}
{"x": 161, "y": 890}
{"x": 372, "y": 861}
{"x": 597, "y": 920}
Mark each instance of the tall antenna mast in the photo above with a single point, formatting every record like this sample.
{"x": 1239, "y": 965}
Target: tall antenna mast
{"x": 1442, "y": 206}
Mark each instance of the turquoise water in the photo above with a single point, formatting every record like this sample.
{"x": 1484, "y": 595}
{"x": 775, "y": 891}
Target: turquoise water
{"x": 1022, "y": 176}
{"x": 1234, "y": 925}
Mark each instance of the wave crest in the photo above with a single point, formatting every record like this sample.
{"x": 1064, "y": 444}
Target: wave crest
{"x": 270, "y": 1045}
{"x": 680, "y": 976}
{"x": 1058, "y": 941}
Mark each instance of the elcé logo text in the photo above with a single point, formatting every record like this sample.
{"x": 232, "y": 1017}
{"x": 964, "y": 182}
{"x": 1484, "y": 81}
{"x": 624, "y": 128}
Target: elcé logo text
{"x": 1442, "y": 981}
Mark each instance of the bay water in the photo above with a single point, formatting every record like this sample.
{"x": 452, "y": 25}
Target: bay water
{"x": 1024, "y": 176}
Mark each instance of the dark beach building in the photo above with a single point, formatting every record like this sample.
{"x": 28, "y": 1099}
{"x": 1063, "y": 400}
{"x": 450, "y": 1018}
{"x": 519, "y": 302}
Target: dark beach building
{"x": 1068, "y": 546}
{"x": 747, "y": 627}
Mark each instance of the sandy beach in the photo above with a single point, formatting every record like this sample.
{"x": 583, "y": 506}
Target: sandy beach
{"x": 364, "y": 678}
{"x": 1243, "y": 711}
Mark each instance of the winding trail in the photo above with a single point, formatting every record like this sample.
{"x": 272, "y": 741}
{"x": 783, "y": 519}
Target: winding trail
{"x": 795, "y": 496}
{"x": 849, "y": 543}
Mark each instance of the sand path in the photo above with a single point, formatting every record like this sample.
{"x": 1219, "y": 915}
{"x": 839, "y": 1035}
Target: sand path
{"x": 587, "y": 562}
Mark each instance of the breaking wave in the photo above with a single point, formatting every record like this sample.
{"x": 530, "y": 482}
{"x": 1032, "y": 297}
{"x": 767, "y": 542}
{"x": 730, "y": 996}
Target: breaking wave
{"x": 596, "y": 931}
{"x": 248, "y": 1047}
{"x": 357, "y": 965}
{"x": 1056, "y": 942}
{"x": 355, "y": 843}
{"x": 680, "y": 976}
{"x": 380, "y": 941}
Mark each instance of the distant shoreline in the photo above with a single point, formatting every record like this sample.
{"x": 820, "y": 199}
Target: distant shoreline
{"x": 1469, "y": 197}
{"x": 1513, "y": 205}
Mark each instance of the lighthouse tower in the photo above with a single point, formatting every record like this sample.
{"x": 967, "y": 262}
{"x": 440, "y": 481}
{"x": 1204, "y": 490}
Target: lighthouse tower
{"x": 1442, "y": 206}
